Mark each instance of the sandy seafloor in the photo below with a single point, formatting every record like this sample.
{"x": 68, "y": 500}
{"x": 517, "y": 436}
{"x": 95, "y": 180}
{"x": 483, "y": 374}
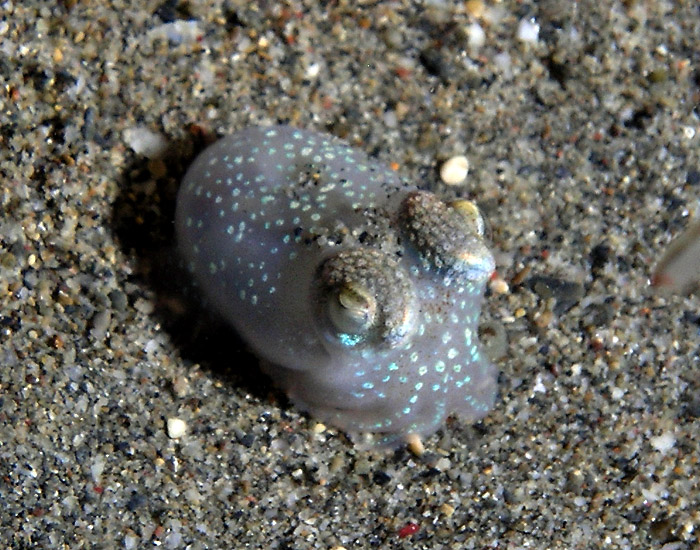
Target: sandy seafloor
{"x": 583, "y": 139}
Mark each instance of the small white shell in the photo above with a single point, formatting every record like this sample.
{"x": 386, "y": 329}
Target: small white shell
{"x": 176, "y": 428}
{"x": 454, "y": 170}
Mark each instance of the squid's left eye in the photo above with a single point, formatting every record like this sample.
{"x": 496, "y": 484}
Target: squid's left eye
{"x": 448, "y": 236}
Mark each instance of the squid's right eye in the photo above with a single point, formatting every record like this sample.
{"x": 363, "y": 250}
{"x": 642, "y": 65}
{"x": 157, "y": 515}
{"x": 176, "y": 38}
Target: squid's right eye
{"x": 364, "y": 298}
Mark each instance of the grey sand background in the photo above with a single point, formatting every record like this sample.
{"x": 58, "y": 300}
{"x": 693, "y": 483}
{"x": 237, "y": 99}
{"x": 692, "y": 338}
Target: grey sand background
{"x": 580, "y": 122}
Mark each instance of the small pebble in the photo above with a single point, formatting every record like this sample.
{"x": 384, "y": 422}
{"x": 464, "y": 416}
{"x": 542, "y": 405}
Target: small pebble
{"x": 100, "y": 324}
{"x": 415, "y": 444}
{"x": 664, "y": 442}
{"x": 528, "y": 30}
{"x": 177, "y": 32}
{"x": 181, "y": 386}
{"x": 443, "y": 464}
{"x": 447, "y": 510}
{"x": 475, "y": 8}
{"x": 454, "y": 170}
{"x": 475, "y": 35}
{"x": 566, "y": 293}
{"x": 499, "y": 286}
{"x": 176, "y": 428}
{"x": 145, "y": 142}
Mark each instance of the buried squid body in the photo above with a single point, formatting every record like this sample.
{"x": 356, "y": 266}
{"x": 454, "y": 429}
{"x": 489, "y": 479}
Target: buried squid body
{"x": 361, "y": 292}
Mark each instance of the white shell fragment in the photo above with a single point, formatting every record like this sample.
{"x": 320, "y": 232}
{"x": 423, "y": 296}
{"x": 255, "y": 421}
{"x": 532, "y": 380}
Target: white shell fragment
{"x": 475, "y": 35}
{"x": 145, "y": 142}
{"x": 454, "y": 170}
{"x": 176, "y": 428}
{"x": 679, "y": 268}
{"x": 528, "y": 30}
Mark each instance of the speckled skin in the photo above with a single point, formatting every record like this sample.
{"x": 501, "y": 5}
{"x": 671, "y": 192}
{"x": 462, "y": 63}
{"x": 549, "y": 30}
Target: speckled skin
{"x": 361, "y": 292}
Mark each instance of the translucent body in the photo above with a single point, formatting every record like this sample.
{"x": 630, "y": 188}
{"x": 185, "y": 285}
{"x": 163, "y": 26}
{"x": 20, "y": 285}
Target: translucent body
{"x": 294, "y": 237}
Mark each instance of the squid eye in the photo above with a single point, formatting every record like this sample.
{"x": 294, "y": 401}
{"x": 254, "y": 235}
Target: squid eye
{"x": 364, "y": 298}
{"x": 448, "y": 236}
{"x": 353, "y": 309}
{"x": 471, "y": 214}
